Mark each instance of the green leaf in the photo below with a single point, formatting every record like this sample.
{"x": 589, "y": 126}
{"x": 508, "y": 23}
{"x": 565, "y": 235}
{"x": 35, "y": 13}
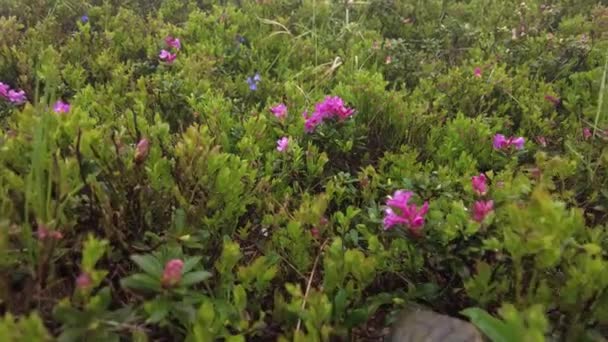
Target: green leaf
{"x": 190, "y": 263}
{"x": 93, "y": 250}
{"x": 492, "y": 327}
{"x": 157, "y": 310}
{"x": 141, "y": 281}
{"x": 240, "y": 297}
{"x": 194, "y": 278}
{"x": 149, "y": 264}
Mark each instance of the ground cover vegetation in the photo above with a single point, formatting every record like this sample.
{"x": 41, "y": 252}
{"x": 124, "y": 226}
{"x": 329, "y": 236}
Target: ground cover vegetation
{"x": 302, "y": 170}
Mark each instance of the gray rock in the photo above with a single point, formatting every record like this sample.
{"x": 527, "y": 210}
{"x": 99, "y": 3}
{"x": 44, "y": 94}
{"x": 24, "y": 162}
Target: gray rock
{"x": 422, "y": 325}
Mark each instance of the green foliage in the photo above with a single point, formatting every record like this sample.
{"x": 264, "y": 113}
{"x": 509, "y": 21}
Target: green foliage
{"x": 290, "y": 245}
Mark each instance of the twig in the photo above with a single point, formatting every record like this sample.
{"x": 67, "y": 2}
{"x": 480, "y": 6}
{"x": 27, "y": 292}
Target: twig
{"x": 312, "y": 275}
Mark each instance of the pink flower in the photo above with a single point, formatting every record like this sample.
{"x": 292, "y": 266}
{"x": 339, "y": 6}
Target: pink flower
{"x": 44, "y": 233}
{"x": 542, "y": 141}
{"x": 16, "y": 97}
{"x": 167, "y": 56}
{"x": 173, "y": 42}
{"x": 312, "y": 122}
{"x": 323, "y": 221}
{"x": 141, "y": 150}
{"x": 84, "y": 281}
{"x": 517, "y": 142}
{"x": 282, "y": 144}
{"x": 586, "y": 133}
{"x": 480, "y": 185}
{"x": 61, "y": 107}
{"x": 554, "y": 100}
{"x": 481, "y": 209}
{"x": 315, "y": 232}
{"x": 330, "y": 108}
{"x": 172, "y": 273}
{"x": 280, "y": 110}
{"x": 477, "y": 72}
{"x": 388, "y": 60}
{"x": 4, "y": 89}
{"x": 400, "y": 212}
{"x": 501, "y": 142}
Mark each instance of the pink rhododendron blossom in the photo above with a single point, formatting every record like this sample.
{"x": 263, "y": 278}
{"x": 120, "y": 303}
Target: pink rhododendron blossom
{"x": 554, "y": 100}
{"x": 44, "y": 233}
{"x": 172, "y": 274}
{"x": 84, "y": 281}
{"x": 282, "y": 144}
{"x": 480, "y": 185}
{"x": 481, "y": 209}
{"x": 61, "y": 107}
{"x": 167, "y": 56}
{"x": 500, "y": 142}
{"x": 517, "y": 142}
{"x": 586, "y": 133}
{"x": 400, "y": 212}
{"x": 16, "y": 97}
{"x": 280, "y": 111}
{"x": 141, "y": 150}
{"x": 477, "y": 72}
{"x": 331, "y": 108}
{"x": 173, "y": 42}
{"x": 542, "y": 141}
{"x": 4, "y": 89}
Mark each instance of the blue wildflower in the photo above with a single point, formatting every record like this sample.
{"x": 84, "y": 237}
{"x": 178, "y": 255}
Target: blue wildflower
{"x": 253, "y": 81}
{"x": 84, "y": 18}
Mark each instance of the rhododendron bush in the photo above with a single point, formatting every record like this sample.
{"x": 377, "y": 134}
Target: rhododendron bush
{"x": 302, "y": 170}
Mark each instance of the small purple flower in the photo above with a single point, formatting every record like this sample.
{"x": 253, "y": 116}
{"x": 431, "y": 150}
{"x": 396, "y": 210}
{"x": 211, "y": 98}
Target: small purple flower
{"x": 400, "y": 212}
{"x": 173, "y": 42}
{"x": 84, "y": 281}
{"x": 501, "y": 142}
{"x": 253, "y": 81}
{"x": 586, "y": 133}
{"x": 167, "y": 56}
{"x": 481, "y": 209}
{"x": 480, "y": 185}
{"x": 4, "y": 89}
{"x": 61, "y": 107}
{"x": 330, "y": 108}
{"x": 477, "y": 72}
{"x": 282, "y": 144}
{"x": 84, "y": 19}
{"x": 240, "y": 39}
{"x": 16, "y": 97}
{"x": 280, "y": 110}
{"x": 517, "y": 142}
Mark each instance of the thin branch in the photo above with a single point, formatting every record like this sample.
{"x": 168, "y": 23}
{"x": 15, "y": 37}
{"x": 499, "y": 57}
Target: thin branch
{"x": 312, "y": 275}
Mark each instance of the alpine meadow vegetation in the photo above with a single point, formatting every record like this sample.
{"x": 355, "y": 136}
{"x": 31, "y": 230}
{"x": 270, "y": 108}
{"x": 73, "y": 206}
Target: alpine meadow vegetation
{"x": 302, "y": 170}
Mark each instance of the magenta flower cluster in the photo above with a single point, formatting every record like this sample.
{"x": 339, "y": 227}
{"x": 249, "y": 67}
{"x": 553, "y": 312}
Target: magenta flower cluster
{"x": 283, "y": 144}
{"x": 400, "y": 211}
{"x": 331, "y": 108}
{"x": 501, "y": 142}
{"x": 166, "y": 55}
{"x": 279, "y": 111}
{"x": 172, "y": 274}
{"x": 481, "y": 208}
{"x": 13, "y": 96}
{"x": 61, "y": 107}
